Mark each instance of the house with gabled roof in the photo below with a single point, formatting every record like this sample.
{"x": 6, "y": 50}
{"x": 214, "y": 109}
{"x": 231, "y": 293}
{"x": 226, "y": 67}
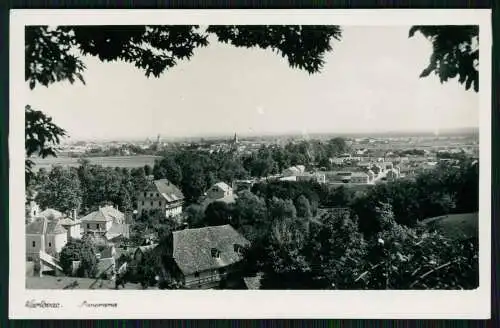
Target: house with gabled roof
{"x": 206, "y": 257}
{"x": 160, "y": 195}
{"x": 45, "y": 235}
{"x": 100, "y": 221}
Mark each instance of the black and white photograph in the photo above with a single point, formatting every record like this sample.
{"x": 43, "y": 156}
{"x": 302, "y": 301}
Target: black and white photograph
{"x": 251, "y": 158}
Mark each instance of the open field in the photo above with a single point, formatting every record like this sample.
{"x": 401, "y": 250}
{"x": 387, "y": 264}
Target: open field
{"x": 111, "y": 161}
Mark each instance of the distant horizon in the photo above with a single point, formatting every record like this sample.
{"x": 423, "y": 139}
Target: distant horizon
{"x": 225, "y": 89}
{"x": 388, "y": 133}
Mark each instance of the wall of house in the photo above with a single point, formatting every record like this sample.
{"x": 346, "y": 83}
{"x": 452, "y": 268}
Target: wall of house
{"x": 356, "y": 179}
{"x": 173, "y": 211}
{"x": 203, "y": 280}
{"x": 216, "y": 193}
{"x": 55, "y": 243}
{"x": 152, "y": 202}
{"x": 75, "y": 231}
{"x": 33, "y": 250}
{"x": 96, "y": 225}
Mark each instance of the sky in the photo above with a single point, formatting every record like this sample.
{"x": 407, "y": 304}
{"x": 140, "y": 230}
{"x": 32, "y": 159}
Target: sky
{"x": 370, "y": 83}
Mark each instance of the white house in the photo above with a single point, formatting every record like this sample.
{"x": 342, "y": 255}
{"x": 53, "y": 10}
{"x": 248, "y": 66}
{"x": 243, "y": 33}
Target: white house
{"x": 72, "y": 226}
{"x": 220, "y": 190}
{"x": 360, "y": 177}
{"x": 100, "y": 221}
{"x": 160, "y": 195}
{"x": 45, "y": 235}
{"x": 294, "y": 170}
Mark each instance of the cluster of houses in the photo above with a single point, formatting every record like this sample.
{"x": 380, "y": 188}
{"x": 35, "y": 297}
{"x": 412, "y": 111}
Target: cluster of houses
{"x": 202, "y": 258}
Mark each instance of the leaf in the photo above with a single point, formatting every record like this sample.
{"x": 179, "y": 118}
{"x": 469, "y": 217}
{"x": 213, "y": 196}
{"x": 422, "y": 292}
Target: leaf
{"x": 412, "y": 31}
{"x": 426, "y": 72}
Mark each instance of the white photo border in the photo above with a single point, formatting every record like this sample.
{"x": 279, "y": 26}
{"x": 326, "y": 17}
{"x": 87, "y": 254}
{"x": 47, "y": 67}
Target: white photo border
{"x": 207, "y": 304}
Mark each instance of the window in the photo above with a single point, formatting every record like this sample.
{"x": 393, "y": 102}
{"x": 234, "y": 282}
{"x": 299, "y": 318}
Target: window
{"x": 50, "y": 244}
{"x": 152, "y": 203}
{"x": 142, "y": 203}
{"x": 97, "y": 225}
{"x": 33, "y": 243}
{"x": 145, "y": 194}
{"x": 215, "y": 252}
{"x": 88, "y": 226}
{"x": 196, "y": 274}
{"x": 238, "y": 249}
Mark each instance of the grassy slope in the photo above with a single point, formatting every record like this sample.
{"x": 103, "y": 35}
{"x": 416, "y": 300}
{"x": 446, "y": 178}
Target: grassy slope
{"x": 459, "y": 226}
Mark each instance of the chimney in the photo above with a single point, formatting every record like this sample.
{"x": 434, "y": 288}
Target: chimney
{"x": 74, "y": 214}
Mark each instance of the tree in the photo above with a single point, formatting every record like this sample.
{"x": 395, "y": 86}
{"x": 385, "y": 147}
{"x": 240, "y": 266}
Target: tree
{"x": 303, "y": 207}
{"x": 195, "y": 216}
{"x": 336, "y": 146}
{"x": 280, "y": 209}
{"x": 284, "y": 265}
{"x": 167, "y": 168}
{"x": 79, "y": 250}
{"x": 399, "y": 257}
{"x": 217, "y": 213}
{"x": 250, "y": 216}
{"x": 337, "y": 251}
{"x": 148, "y": 170}
{"x": 149, "y": 269}
{"x": 455, "y": 53}
{"x": 61, "y": 190}
{"x": 42, "y": 137}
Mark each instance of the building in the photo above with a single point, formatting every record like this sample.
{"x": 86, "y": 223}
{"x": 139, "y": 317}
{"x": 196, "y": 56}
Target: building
{"x": 240, "y": 185}
{"x": 294, "y": 170}
{"x": 219, "y": 190}
{"x": 315, "y": 177}
{"x": 392, "y": 175}
{"x": 386, "y": 166}
{"x": 206, "y": 257}
{"x": 73, "y": 227}
{"x": 160, "y": 195}
{"x": 47, "y": 236}
{"x": 32, "y": 210}
{"x": 118, "y": 232}
{"x": 336, "y": 177}
{"x": 50, "y": 214}
{"x": 360, "y": 177}
{"x": 100, "y": 221}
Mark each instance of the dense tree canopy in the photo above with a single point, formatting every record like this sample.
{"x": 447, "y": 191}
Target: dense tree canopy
{"x": 60, "y": 190}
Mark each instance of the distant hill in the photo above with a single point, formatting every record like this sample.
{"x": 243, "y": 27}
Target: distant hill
{"x": 456, "y": 226}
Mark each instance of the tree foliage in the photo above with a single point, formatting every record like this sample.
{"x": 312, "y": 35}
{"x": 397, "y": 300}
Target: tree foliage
{"x": 61, "y": 190}
{"x": 42, "y": 138}
{"x": 79, "y": 250}
{"x": 455, "y": 53}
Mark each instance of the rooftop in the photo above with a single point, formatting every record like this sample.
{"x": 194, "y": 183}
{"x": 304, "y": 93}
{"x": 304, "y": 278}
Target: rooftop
{"x": 222, "y": 185}
{"x": 51, "y": 214}
{"x": 168, "y": 190}
{"x": 192, "y": 248}
{"x": 43, "y": 225}
{"x": 106, "y": 213}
